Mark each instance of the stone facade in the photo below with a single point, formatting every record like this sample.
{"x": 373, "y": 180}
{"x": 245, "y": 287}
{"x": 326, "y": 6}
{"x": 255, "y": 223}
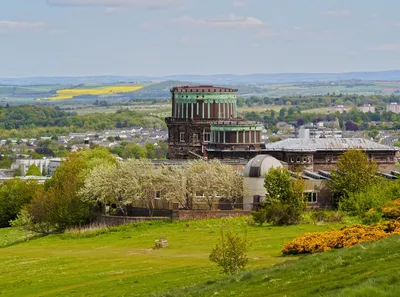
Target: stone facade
{"x": 204, "y": 123}
{"x": 323, "y": 154}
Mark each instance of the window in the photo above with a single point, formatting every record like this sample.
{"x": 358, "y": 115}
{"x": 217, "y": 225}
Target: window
{"x": 206, "y": 136}
{"x": 311, "y": 197}
{"x": 195, "y": 137}
{"x": 182, "y": 136}
{"x": 157, "y": 195}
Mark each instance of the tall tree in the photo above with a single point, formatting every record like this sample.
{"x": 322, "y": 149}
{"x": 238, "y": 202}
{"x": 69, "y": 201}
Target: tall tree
{"x": 354, "y": 173}
{"x": 33, "y": 171}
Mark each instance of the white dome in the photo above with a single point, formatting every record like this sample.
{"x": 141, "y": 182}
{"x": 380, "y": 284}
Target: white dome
{"x": 260, "y": 165}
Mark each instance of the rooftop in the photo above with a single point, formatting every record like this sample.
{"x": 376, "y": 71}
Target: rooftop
{"x": 323, "y": 144}
{"x": 202, "y": 88}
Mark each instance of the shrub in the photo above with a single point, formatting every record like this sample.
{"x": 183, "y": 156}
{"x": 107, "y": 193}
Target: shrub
{"x": 371, "y": 217}
{"x": 376, "y": 195}
{"x": 391, "y": 210}
{"x": 345, "y": 237}
{"x": 283, "y": 214}
{"x": 230, "y": 253}
{"x": 327, "y": 216}
{"x": 259, "y": 217}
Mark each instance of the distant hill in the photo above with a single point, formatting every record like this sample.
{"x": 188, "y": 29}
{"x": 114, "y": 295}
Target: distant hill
{"x": 229, "y": 79}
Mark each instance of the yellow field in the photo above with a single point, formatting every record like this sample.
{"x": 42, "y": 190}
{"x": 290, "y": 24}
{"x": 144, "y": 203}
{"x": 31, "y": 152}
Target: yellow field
{"x": 70, "y": 93}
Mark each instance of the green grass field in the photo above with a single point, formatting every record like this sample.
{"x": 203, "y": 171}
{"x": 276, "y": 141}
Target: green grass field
{"x": 124, "y": 263}
{"x": 365, "y": 270}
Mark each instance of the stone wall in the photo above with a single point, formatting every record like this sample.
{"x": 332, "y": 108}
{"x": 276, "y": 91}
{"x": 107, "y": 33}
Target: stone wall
{"x": 180, "y": 215}
{"x": 119, "y": 220}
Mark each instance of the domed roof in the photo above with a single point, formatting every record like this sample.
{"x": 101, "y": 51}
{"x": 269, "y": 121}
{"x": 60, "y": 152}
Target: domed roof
{"x": 259, "y": 165}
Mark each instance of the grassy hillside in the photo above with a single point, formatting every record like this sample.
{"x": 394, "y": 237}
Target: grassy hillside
{"x": 369, "y": 269}
{"x": 122, "y": 261}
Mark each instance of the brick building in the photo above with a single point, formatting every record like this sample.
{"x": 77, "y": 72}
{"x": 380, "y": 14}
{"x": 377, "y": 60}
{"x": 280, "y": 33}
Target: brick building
{"x": 323, "y": 153}
{"x": 204, "y": 123}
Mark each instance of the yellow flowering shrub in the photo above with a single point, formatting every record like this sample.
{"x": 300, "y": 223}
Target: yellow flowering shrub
{"x": 345, "y": 237}
{"x": 392, "y": 209}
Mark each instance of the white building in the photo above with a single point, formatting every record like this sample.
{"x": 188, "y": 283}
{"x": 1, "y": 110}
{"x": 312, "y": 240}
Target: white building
{"x": 46, "y": 166}
{"x": 367, "y": 108}
{"x": 393, "y": 107}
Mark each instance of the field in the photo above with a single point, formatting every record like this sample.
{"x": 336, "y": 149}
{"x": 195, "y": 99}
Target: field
{"x": 366, "y": 270}
{"x": 63, "y": 94}
{"x": 124, "y": 263}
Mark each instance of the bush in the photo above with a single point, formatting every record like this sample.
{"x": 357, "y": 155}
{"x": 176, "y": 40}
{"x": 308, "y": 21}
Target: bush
{"x": 260, "y": 216}
{"x": 371, "y": 217}
{"x": 374, "y": 196}
{"x": 14, "y": 194}
{"x": 345, "y": 237}
{"x": 283, "y": 214}
{"x": 230, "y": 253}
{"x": 391, "y": 210}
{"x": 327, "y": 216}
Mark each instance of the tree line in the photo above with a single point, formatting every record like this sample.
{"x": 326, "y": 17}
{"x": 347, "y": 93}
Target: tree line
{"x": 353, "y": 120}
{"x": 32, "y": 116}
{"x": 88, "y": 181}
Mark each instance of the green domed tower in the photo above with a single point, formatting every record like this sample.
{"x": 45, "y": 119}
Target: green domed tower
{"x": 204, "y": 123}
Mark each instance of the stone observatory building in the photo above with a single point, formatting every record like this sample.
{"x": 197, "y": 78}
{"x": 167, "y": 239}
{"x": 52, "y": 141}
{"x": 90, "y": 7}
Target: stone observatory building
{"x": 204, "y": 123}
{"x": 254, "y": 172}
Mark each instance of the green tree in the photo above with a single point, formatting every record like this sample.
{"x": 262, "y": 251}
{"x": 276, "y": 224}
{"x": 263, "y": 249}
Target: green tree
{"x": 60, "y": 206}
{"x": 134, "y": 151}
{"x": 354, "y": 173}
{"x": 230, "y": 253}
{"x": 285, "y": 201}
{"x": 33, "y": 171}
{"x": 17, "y": 172}
{"x": 14, "y": 194}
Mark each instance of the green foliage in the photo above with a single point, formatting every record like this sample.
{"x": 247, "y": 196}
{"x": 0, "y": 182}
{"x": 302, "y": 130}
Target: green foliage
{"x": 283, "y": 214}
{"x": 376, "y": 194}
{"x": 355, "y": 173}
{"x": 285, "y": 201}
{"x": 371, "y": 217}
{"x": 33, "y": 171}
{"x": 59, "y": 205}
{"x": 14, "y": 194}
{"x": 230, "y": 253}
{"x": 134, "y": 151}
{"x": 17, "y": 172}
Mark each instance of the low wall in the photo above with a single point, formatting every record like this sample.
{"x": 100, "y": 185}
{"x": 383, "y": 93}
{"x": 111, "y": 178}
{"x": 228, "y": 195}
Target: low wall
{"x": 119, "y": 220}
{"x": 180, "y": 215}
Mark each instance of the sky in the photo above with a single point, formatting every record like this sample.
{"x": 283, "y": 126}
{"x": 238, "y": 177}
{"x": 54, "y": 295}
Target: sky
{"x": 168, "y": 37}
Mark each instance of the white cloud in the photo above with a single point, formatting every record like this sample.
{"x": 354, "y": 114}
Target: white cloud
{"x": 386, "y": 47}
{"x": 239, "y": 3}
{"x": 112, "y": 4}
{"x": 12, "y": 25}
{"x": 344, "y": 13}
{"x": 232, "y": 21}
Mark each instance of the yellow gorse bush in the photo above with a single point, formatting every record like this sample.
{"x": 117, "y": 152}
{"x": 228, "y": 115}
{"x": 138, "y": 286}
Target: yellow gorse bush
{"x": 345, "y": 237}
{"x": 391, "y": 210}
{"x": 70, "y": 93}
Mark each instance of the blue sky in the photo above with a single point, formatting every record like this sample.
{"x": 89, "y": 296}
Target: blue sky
{"x": 165, "y": 37}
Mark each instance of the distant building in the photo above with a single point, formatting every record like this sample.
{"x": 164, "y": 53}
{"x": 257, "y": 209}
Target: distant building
{"x": 341, "y": 108}
{"x": 46, "y": 166}
{"x": 318, "y": 131}
{"x": 367, "y": 108}
{"x": 393, "y": 107}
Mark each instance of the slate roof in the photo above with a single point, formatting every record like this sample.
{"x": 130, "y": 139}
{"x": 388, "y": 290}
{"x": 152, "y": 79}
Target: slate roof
{"x": 326, "y": 144}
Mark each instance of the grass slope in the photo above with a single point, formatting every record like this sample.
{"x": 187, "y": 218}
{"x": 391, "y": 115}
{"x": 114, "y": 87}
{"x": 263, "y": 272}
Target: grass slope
{"x": 123, "y": 262}
{"x": 369, "y": 269}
